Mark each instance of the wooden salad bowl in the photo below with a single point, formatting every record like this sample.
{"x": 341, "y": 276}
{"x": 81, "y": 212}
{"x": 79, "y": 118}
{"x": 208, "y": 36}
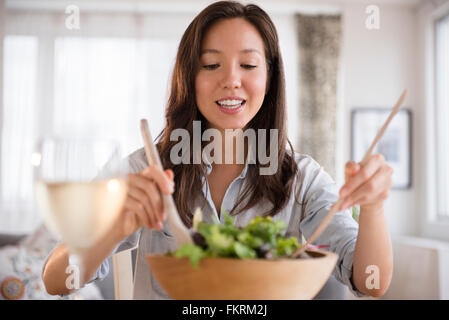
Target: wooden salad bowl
{"x": 236, "y": 279}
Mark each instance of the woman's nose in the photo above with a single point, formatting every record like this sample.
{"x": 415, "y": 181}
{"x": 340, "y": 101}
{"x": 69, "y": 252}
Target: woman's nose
{"x": 231, "y": 78}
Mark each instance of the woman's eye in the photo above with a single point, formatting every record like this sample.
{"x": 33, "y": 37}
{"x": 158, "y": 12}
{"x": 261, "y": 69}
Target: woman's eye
{"x": 211, "y": 66}
{"x": 216, "y": 65}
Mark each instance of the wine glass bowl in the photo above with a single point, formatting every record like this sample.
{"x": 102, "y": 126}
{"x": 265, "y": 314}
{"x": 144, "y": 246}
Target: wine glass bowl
{"x": 80, "y": 188}
{"x": 80, "y": 212}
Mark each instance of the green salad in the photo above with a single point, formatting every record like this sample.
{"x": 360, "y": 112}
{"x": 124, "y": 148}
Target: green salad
{"x": 260, "y": 239}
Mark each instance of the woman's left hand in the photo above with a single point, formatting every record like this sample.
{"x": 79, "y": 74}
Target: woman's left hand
{"x": 368, "y": 185}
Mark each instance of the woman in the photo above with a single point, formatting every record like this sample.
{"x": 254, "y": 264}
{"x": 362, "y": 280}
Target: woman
{"x": 229, "y": 75}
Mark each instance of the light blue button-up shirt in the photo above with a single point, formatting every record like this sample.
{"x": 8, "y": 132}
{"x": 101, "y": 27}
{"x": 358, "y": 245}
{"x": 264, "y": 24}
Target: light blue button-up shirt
{"x": 315, "y": 191}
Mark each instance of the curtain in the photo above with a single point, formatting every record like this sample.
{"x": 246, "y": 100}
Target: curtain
{"x": 319, "y": 47}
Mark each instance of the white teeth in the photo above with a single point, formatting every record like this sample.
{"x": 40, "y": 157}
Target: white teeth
{"x": 234, "y": 103}
{"x": 233, "y": 107}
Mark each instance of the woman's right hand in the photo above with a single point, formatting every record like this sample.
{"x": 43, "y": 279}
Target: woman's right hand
{"x": 144, "y": 205}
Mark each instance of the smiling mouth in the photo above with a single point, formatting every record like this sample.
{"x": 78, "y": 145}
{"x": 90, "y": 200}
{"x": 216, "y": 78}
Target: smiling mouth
{"x": 230, "y": 104}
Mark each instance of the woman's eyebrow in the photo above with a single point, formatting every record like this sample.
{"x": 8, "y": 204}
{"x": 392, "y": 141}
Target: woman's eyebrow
{"x": 250, "y": 50}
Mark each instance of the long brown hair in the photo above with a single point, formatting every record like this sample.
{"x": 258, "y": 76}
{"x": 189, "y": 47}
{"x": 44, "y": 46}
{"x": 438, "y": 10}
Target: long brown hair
{"x": 182, "y": 111}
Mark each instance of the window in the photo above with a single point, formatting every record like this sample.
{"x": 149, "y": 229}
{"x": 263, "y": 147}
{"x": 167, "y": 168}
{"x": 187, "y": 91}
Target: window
{"x": 109, "y": 84}
{"x": 442, "y": 113}
{"x": 433, "y": 193}
{"x": 57, "y": 82}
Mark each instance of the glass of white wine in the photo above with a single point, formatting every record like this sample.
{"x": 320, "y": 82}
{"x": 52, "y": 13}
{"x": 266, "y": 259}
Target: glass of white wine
{"x": 80, "y": 188}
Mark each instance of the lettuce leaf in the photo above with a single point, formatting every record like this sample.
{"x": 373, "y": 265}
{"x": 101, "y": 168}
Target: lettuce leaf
{"x": 191, "y": 251}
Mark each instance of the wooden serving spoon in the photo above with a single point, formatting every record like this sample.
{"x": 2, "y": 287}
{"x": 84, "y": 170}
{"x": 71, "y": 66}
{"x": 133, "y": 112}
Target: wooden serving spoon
{"x": 333, "y": 210}
{"x": 177, "y": 227}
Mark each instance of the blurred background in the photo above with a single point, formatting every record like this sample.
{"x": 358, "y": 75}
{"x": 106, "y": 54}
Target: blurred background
{"x": 101, "y": 65}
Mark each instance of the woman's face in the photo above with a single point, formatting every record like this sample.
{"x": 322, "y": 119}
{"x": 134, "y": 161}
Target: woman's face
{"x": 231, "y": 82}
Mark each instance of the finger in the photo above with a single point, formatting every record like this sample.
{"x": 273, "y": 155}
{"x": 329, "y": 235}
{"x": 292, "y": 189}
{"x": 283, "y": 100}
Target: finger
{"x": 155, "y": 197}
{"x": 375, "y": 189}
{"x": 152, "y": 193}
{"x": 351, "y": 168}
{"x": 137, "y": 181}
{"x": 363, "y": 175}
{"x": 170, "y": 174}
{"x": 350, "y": 172}
{"x": 131, "y": 222}
{"x": 142, "y": 198}
{"x": 138, "y": 209}
{"x": 164, "y": 183}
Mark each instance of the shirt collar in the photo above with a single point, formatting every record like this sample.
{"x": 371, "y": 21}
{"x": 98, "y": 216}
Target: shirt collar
{"x": 249, "y": 160}
{"x": 208, "y": 162}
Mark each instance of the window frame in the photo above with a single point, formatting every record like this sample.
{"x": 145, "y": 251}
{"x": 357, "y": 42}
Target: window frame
{"x": 431, "y": 223}
{"x": 441, "y": 216}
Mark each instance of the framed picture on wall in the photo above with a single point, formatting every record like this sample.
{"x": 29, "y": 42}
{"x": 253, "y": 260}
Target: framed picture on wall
{"x": 395, "y": 144}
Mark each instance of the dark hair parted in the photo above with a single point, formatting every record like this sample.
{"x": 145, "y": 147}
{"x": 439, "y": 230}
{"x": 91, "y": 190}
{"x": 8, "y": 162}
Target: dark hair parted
{"x": 182, "y": 111}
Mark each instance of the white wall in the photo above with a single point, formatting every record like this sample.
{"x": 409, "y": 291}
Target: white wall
{"x": 377, "y": 66}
